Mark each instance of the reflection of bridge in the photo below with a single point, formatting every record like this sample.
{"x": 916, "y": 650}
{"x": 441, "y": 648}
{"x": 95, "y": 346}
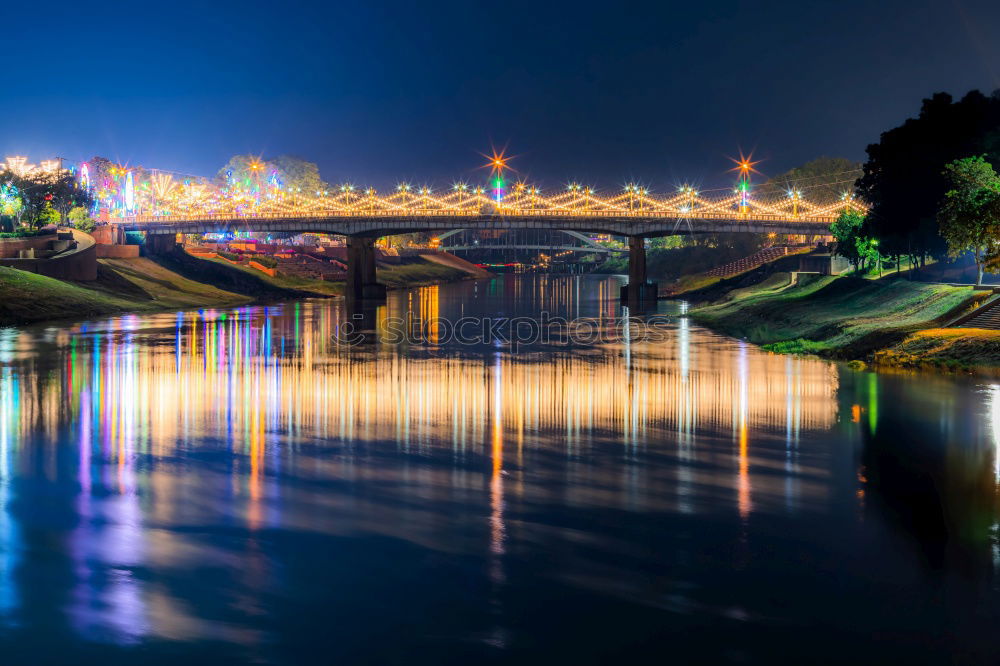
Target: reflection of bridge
{"x": 364, "y": 216}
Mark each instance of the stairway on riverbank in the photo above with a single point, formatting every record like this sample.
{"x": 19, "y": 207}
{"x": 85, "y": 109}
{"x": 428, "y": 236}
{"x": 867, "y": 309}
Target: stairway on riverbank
{"x": 986, "y": 317}
{"x": 749, "y": 263}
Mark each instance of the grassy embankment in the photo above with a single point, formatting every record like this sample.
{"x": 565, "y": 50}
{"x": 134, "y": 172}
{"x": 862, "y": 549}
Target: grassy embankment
{"x": 244, "y": 279}
{"x": 690, "y": 283}
{"x": 26, "y": 297}
{"x": 175, "y": 281}
{"x": 955, "y": 349}
{"x": 415, "y": 272}
{"x": 695, "y": 279}
{"x": 122, "y": 285}
{"x": 839, "y": 317}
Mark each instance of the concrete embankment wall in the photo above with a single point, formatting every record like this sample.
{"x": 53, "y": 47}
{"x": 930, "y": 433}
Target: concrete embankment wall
{"x": 117, "y": 251}
{"x": 108, "y": 234}
{"x": 76, "y": 264}
{"x": 10, "y": 248}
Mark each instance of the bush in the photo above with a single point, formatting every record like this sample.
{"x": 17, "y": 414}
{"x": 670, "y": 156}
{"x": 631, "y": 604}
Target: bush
{"x": 797, "y": 346}
{"x": 267, "y": 262}
{"x": 49, "y": 215}
{"x": 231, "y": 256}
{"x": 27, "y": 233}
{"x": 81, "y": 220}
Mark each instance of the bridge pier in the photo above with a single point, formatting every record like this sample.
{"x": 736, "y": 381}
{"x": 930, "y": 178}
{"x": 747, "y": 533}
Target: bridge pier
{"x": 361, "y": 282}
{"x": 155, "y": 244}
{"x": 639, "y": 289}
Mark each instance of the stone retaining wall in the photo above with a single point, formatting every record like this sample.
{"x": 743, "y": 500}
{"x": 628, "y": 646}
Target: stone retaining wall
{"x": 108, "y": 234}
{"x": 10, "y": 248}
{"x": 78, "y": 264}
{"x": 117, "y": 251}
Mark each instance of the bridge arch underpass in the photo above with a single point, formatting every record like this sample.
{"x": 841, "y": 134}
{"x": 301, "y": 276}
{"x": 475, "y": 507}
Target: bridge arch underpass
{"x": 523, "y": 245}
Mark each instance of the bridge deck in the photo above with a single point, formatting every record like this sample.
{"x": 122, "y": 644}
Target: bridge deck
{"x": 382, "y": 223}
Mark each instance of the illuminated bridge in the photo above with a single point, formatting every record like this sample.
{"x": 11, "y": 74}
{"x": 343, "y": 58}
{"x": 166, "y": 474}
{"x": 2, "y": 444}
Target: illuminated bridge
{"x": 197, "y": 208}
{"x": 154, "y": 202}
{"x": 364, "y": 215}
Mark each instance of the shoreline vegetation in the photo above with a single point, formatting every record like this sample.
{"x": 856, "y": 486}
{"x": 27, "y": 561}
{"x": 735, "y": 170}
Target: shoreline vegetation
{"x": 179, "y": 281}
{"x": 887, "y": 323}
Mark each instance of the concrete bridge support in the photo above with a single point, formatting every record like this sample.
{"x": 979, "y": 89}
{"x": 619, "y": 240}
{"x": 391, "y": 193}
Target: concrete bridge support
{"x": 361, "y": 282}
{"x": 159, "y": 244}
{"x": 639, "y": 289}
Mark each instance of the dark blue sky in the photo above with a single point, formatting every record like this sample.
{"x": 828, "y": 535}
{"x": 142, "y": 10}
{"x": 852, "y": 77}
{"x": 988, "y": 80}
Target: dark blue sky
{"x": 377, "y": 92}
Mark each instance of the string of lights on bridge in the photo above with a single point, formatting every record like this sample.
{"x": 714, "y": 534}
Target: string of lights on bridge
{"x": 135, "y": 193}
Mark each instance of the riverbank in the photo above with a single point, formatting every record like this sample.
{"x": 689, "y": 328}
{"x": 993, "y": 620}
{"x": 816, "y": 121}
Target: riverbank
{"x": 886, "y": 322}
{"x": 965, "y": 350}
{"x": 179, "y": 281}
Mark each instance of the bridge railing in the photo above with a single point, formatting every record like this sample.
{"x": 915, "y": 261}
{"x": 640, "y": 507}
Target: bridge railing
{"x": 653, "y": 215}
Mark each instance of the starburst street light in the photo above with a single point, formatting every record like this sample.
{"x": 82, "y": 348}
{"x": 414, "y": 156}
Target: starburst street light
{"x": 497, "y": 164}
{"x": 498, "y": 161}
{"x": 744, "y": 166}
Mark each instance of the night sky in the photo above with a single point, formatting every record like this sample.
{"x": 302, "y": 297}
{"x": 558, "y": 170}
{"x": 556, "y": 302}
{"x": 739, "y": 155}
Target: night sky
{"x": 379, "y": 92}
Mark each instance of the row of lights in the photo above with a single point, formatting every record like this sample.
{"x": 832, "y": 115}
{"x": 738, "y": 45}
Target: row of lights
{"x": 524, "y": 188}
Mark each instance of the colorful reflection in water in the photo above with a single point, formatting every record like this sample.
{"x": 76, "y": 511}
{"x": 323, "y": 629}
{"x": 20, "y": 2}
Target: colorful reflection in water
{"x": 160, "y": 466}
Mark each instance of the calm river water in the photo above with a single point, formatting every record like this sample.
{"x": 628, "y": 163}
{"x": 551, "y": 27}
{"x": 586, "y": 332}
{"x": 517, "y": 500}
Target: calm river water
{"x": 243, "y": 485}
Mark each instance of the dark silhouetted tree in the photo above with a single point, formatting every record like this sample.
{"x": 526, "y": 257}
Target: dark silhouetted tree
{"x": 903, "y": 179}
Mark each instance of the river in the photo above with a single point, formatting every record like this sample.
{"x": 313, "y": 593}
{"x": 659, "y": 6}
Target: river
{"x": 268, "y": 484}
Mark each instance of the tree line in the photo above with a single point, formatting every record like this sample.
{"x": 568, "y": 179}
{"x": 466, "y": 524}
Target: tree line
{"x": 37, "y": 197}
{"x": 931, "y": 187}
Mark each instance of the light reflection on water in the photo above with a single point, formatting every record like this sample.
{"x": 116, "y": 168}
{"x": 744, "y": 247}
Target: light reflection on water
{"x": 195, "y": 477}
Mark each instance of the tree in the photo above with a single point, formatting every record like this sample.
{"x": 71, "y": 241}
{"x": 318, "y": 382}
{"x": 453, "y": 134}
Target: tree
{"x": 81, "y": 219}
{"x": 823, "y": 180}
{"x": 66, "y": 193}
{"x": 300, "y": 175}
{"x": 902, "y": 179}
{"x": 291, "y": 174}
{"x": 853, "y": 242}
{"x": 48, "y": 215}
{"x": 666, "y": 242}
{"x": 246, "y": 171}
{"x": 11, "y": 205}
{"x": 294, "y": 174}
{"x": 970, "y": 213}
{"x": 41, "y": 191}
